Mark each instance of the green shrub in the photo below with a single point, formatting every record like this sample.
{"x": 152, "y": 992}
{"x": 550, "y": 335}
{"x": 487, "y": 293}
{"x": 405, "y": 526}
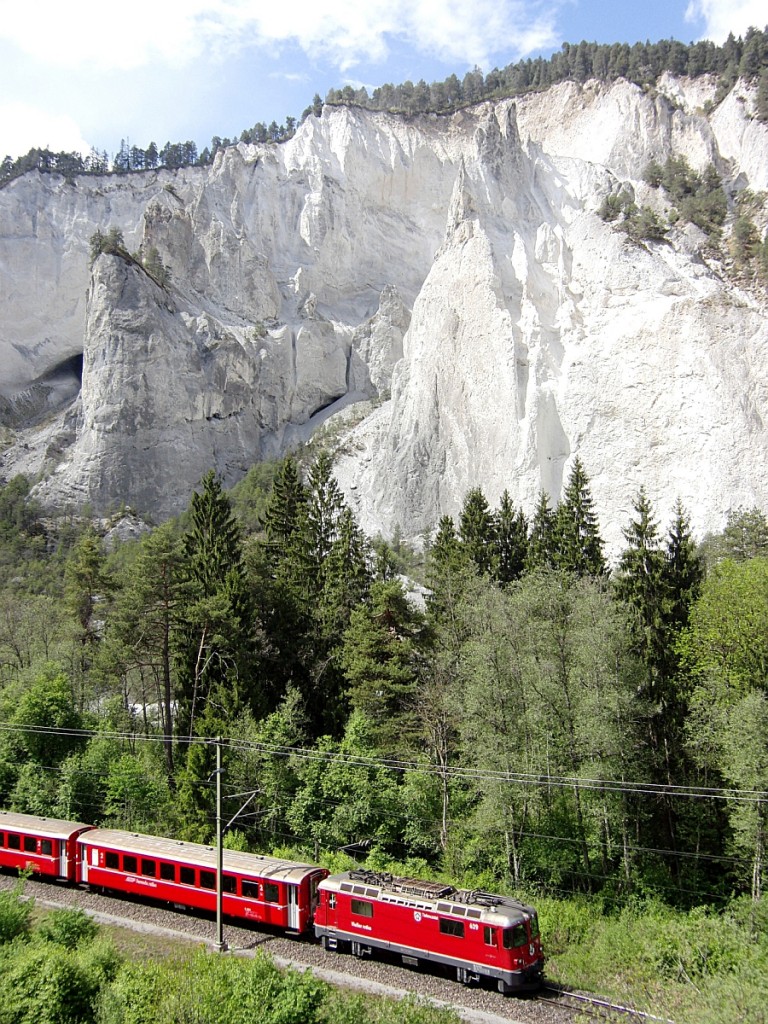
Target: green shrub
{"x": 68, "y": 928}
{"x": 15, "y": 914}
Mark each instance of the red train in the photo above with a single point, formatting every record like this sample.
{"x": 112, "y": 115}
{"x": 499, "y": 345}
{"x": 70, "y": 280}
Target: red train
{"x": 477, "y": 934}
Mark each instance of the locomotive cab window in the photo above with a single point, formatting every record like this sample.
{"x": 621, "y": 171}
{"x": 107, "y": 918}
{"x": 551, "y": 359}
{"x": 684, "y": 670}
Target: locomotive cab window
{"x": 515, "y": 936}
{"x": 30, "y": 844}
{"x": 534, "y": 925}
{"x": 489, "y": 935}
{"x": 111, "y": 860}
{"x": 187, "y": 876}
{"x": 271, "y": 892}
{"x": 14, "y": 841}
{"x": 451, "y": 927}
{"x": 249, "y": 889}
{"x": 168, "y": 872}
{"x": 46, "y": 847}
{"x": 363, "y": 908}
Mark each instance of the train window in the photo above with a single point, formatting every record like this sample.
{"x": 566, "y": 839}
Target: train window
{"x": 271, "y": 892}
{"x": 14, "y": 841}
{"x": 249, "y": 889}
{"x": 207, "y": 879}
{"x": 449, "y": 927}
{"x": 363, "y": 908}
{"x": 490, "y": 936}
{"x": 229, "y": 883}
{"x": 111, "y": 860}
{"x": 130, "y": 863}
{"x": 2, "y": 839}
{"x": 515, "y": 936}
{"x": 187, "y": 876}
{"x": 148, "y": 867}
{"x": 30, "y": 844}
{"x": 534, "y": 923}
{"x": 46, "y": 847}
{"x": 168, "y": 872}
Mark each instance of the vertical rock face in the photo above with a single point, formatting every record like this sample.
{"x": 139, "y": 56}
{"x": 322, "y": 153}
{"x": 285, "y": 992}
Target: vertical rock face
{"x": 455, "y": 268}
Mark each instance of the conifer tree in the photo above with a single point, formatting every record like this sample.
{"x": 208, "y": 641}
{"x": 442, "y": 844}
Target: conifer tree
{"x": 447, "y": 568}
{"x": 640, "y": 584}
{"x": 379, "y": 656}
{"x": 215, "y": 647}
{"x": 579, "y": 545}
{"x": 542, "y": 542}
{"x": 477, "y": 531}
{"x": 287, "y": 499}
{"x": 683, "y": 571}
{"x": 511, "y": 541}
{"x": 324, "y": 509}
{"x": 146, "y": 610}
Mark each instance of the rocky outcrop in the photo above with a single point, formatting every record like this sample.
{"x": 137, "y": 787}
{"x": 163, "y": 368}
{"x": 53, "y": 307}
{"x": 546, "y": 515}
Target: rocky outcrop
{"x": 454, "y": 268}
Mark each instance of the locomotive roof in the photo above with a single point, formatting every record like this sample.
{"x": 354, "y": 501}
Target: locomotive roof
{"x": 251, "y": 864}
{"x": 49, "y": 828}
{"x": 475, "y": 904}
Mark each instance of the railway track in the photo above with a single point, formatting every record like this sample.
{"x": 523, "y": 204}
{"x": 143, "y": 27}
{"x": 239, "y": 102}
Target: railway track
{"x": 476, "y": 1005}
{"x": 593, "y": 1006}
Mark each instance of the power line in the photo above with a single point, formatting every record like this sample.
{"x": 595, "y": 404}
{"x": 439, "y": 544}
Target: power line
{"x": 453, "y": 772}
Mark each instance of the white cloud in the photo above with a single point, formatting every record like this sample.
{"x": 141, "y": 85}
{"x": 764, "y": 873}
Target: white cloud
{"x": 723, "y": 16}
{"x": 25, "y": 127}
{"x": 120, "y": 37}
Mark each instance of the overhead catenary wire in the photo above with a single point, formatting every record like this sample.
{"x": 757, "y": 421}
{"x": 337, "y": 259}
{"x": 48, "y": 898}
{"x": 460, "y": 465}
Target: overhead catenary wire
{"x": 456, "y": 772}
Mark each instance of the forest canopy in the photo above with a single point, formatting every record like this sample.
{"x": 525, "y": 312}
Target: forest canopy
{"x": 540, "y": 719}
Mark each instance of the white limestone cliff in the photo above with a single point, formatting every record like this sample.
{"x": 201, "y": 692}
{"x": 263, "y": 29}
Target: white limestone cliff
{"x": 455, "y": 267}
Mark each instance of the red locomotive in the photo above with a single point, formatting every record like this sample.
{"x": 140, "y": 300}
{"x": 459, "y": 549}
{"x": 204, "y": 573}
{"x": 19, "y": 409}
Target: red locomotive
{"x": 476, "y": 933}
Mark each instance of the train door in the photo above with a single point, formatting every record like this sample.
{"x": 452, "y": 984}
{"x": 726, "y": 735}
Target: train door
{"x": 293, "y": 907}
{"x": 64, "y": 855}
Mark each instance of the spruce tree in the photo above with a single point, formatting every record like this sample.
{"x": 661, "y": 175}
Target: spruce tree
{"x": 477, "y": 531}
{"x": 324, "y": 508}
{"x": 579, "y": 545}
{"x": 287, "y": 499}
{"x": 214, "y": 639}
{"x": 379, "y": 656}
{"x": 448, "y": 571}
{"x": 683, "y": 571}
{"x": 640, "y": 584}
{"x": 511, "y": 541}
{"x": 542, "y": 541}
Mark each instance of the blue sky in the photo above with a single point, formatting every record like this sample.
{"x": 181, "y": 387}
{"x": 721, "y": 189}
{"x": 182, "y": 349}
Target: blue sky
{"x": 90, "y": 73}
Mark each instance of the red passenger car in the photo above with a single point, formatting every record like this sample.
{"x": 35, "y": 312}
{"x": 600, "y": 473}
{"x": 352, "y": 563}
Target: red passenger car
{"x": 476, "y": 933}
{"x": 46, "y": 845}
{"x": 266, "y": 890}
